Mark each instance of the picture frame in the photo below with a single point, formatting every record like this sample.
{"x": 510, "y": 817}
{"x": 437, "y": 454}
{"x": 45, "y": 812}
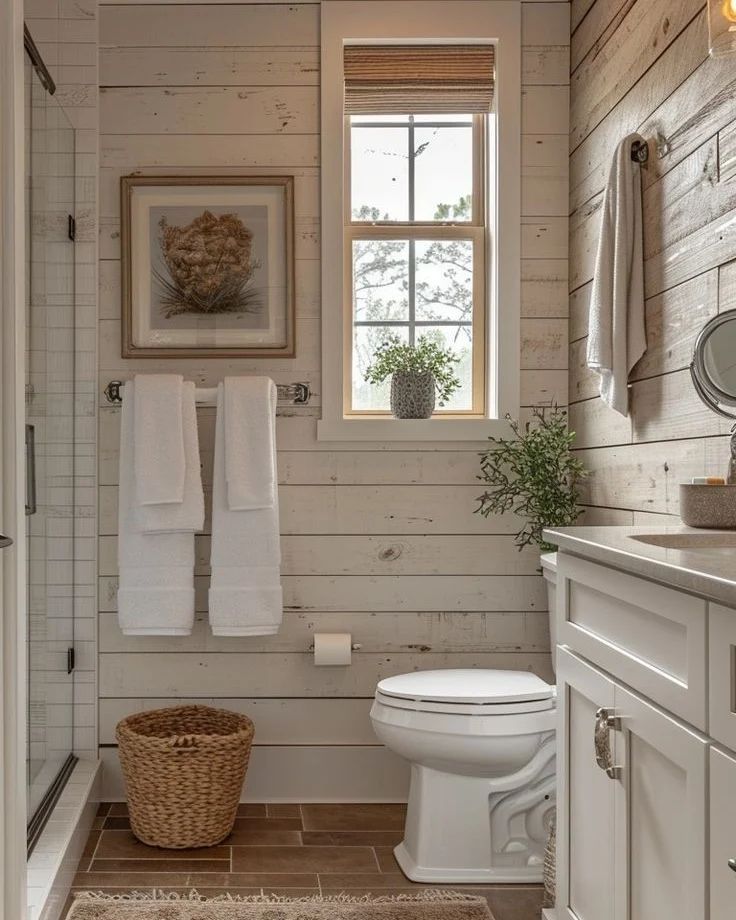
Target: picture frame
{"x": 207, "y": 266}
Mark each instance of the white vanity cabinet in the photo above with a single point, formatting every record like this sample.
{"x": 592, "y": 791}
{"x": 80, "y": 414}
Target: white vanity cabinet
{"x": 722, "y": 835}
{"x": 631, "y": 813}
{"x": 646, "y": 798}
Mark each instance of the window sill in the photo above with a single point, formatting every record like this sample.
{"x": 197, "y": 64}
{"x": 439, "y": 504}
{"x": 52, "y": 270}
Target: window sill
{"x": 399, "y": 430}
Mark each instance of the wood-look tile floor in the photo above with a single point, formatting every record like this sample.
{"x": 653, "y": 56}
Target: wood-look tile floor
{"x": 292, "y": 850}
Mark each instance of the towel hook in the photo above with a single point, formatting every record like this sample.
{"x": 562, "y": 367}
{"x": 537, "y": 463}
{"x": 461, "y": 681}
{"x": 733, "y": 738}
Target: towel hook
{"x": 640, "y": 152}
{"x": 640, "y": 149}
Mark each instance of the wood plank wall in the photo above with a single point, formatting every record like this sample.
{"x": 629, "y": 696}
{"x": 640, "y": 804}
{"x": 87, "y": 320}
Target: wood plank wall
{"x": 643, "y": 65}
{"x": 381, "y": 543}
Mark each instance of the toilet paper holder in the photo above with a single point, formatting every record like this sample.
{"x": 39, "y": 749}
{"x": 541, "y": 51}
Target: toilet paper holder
{"x": 333, "y": 649}
{"x": 355, "y": 646}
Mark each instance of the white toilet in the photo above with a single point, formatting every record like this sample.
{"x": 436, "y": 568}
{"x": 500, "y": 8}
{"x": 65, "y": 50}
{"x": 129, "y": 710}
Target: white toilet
{"x": 482, "y": 750}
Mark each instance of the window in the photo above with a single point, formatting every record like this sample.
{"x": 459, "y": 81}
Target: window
{"x": 415, "y": 230}
{"x": 415, "y": 210}
{"x": 420, "y": 128}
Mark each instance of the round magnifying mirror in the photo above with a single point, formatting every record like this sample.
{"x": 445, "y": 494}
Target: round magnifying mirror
{"x": 713, "y": 367}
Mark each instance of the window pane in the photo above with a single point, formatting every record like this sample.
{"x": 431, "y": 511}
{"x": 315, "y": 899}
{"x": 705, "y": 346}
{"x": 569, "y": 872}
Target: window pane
{"x": 380, "y": 280}
{"x": 460, "y": 340}
{"x": 365, "y": 341}
{"x": 380, "y": 174}
{"x": 444, "y": 280}
{"x": 443, "y": 164}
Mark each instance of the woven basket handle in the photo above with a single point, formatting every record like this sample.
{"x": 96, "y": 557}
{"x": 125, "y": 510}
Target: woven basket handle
{"x": 184, "y": 744}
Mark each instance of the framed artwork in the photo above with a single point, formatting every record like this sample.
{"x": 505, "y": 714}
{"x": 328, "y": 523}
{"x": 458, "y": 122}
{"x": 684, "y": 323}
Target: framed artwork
{"x": 208, "y": 266}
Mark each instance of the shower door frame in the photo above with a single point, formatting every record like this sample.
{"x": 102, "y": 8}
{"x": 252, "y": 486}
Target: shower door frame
{"x": 12, "y": 466}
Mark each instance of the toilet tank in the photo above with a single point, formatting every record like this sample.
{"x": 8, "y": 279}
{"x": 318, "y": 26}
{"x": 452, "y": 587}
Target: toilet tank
{"x": 549, "y": 570}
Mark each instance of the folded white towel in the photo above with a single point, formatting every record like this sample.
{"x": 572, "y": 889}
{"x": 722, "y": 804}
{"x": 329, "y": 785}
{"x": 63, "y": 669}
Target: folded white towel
{"x": 250, "y": 456}
{"x": 156, "y": 570}
{"x": 245, "y": 597}
{"x": 187, "y": 515}
{"x": 616, "y": 330}
{"x": 158, "y": 439}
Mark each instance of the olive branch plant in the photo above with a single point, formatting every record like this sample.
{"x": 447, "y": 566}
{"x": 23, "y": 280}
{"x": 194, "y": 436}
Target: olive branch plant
{"x": 534, "y": 475}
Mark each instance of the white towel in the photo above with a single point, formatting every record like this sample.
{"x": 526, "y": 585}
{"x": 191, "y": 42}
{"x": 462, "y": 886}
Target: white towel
{"x": 250, "y": 456}
{"x": 158, "y": 439}
{"x": 188, "y": 514}
{"x": 245, "y": 596}
{"x": 616, "y": 330}
{"x": 156, "y": 580}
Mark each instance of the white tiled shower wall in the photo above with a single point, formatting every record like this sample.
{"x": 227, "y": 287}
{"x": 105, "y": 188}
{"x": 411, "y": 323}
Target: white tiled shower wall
{"x": 65, "y": 32}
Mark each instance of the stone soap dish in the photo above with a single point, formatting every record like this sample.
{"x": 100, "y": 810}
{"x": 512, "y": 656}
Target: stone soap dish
{"x": 708, "y": 506}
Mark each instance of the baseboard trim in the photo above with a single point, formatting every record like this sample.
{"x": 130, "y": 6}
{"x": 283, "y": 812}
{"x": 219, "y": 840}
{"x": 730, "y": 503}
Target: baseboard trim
{"x": 319, "y": 773}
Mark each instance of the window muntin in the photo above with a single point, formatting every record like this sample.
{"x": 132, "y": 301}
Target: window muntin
{"x": 415, "y": 241}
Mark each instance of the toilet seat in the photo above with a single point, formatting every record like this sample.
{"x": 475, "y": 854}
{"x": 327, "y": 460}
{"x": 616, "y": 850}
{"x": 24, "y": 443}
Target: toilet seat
{"x": 468, "y": 692}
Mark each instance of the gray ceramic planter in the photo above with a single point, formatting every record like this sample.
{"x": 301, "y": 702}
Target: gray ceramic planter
{"x": 412, "y": 394}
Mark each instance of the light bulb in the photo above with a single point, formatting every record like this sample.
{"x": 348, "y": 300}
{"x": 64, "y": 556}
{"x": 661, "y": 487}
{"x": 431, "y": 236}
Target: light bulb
{"x": 729, "y": 10}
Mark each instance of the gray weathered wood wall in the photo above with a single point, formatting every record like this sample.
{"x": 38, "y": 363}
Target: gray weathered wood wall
{"x": 643, "y": 65}
{"x": 381, "y": 543}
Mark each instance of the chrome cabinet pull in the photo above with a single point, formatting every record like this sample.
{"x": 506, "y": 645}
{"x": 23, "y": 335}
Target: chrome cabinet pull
{"x": 732, "y": 864}
{"x": 605, "y": 722}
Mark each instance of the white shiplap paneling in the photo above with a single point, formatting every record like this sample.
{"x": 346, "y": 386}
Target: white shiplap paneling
{"x": 383, "y": 543}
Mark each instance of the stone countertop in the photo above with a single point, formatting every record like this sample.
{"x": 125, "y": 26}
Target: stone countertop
{"x": 709, "y": 571}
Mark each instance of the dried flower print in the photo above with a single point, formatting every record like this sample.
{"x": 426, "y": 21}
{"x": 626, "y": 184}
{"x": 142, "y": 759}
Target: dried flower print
{"x": 210, "y": 265}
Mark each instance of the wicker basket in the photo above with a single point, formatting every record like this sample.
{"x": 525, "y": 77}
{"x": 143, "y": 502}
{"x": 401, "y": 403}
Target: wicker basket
{"x": 184, "y": 769}
{"x": 550, "y": 867}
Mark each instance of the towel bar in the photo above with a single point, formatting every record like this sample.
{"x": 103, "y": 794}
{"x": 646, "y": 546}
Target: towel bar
{"x": 298, "y": 393}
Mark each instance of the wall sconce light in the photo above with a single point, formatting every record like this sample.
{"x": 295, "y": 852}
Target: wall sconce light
{"x": 722, "y": 26}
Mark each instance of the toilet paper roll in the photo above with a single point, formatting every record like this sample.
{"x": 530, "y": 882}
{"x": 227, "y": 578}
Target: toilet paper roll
{"x": 333, "y": 648}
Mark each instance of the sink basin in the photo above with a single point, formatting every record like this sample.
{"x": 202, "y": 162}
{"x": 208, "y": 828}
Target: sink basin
{"x": 689, "y": 541}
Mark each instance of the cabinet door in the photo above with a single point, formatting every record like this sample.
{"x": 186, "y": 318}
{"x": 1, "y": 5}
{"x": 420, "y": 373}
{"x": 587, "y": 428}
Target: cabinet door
{"x": 722, "y": 836}
{"x": 586, "y": 805}
{"x": 660, "y": 813}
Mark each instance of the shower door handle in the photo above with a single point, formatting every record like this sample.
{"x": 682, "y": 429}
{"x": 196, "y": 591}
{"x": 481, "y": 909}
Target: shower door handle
{"x": 30, "y": 470}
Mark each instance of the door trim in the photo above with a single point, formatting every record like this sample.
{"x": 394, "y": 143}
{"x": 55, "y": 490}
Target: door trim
{"x": 12, "y": 503}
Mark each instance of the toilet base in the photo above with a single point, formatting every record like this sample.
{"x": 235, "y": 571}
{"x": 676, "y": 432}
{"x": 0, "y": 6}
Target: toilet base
{"x": 457, "y": 876}
{"x": 477, "y": 828}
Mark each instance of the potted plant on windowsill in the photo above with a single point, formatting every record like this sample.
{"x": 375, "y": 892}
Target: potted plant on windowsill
{"x": 421, "y": 374}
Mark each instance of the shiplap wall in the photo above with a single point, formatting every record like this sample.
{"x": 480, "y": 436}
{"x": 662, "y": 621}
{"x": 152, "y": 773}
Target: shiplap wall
{"x": 644, "y": 66}
{"x": 381, "y": 543}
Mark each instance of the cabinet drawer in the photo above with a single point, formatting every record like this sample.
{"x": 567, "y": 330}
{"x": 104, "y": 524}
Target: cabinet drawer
{"x": 722, "y": 697}
{"x": 722, "y": 835}
{"x": 650, "y": 636}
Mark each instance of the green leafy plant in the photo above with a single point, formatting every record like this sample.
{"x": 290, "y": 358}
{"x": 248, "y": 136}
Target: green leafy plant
{"x": 534, "y": 475}
{"x": 394, "y": 356}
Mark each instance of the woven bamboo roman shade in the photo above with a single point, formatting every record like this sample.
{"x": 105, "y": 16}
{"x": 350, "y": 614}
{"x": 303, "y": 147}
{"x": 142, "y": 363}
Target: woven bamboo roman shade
{"x": 408, "y": 79}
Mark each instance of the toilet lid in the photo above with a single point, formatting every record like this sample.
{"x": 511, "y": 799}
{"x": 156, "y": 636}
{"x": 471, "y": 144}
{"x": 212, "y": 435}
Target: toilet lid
{"x": 467, "y": 686}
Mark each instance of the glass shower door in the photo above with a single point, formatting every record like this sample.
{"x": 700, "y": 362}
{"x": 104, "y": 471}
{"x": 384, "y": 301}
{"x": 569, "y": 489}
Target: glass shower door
{"x": 49, "y": 445}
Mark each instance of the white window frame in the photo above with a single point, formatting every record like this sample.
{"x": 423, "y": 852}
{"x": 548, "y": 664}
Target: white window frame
{"x": 466, "y": 21}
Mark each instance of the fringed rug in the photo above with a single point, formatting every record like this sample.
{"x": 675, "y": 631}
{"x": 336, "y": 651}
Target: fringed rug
{"x": 426, "y": 905}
